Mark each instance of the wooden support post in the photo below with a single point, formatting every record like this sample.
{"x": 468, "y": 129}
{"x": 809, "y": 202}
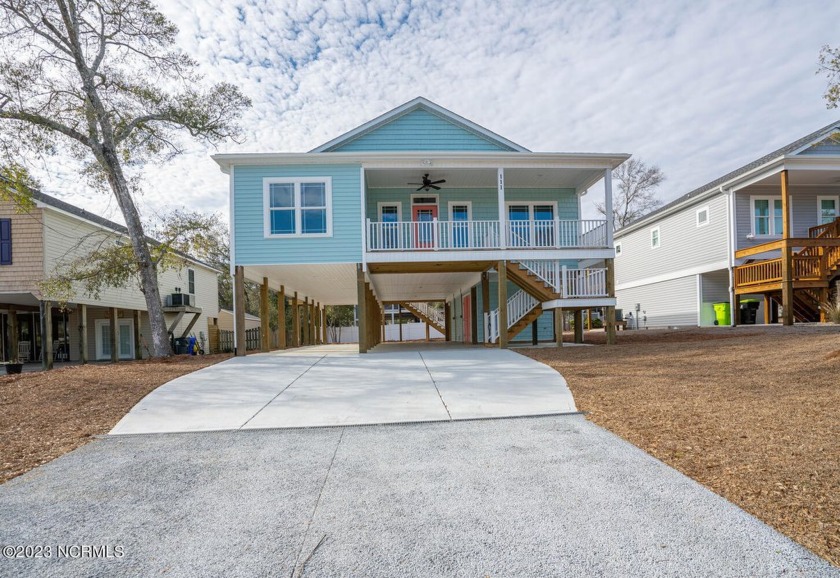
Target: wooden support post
{"x": 447, "y": 323}
{"x": 428, "y": 334}
{"x": 485, "y": 302}
{"x": 115, "y": 346}
{"x": 295, "y": 321}
{"x": 14, "y": 347}
{"x": 558, "y": 327}
{"x": 46, "y": 335}
{"x": 578, "y": 326}
{"x": 307, "y": 335}
{"x": 138, "y": 348}
{"x": 501, "y": 269}
{"x": 316, "y": 310}
{"x": 474, "y": 315}
{"x": 83, "y": 334}
{"x": 265, "y": 326}
{"x": 768, "y": 309}
{"x": 787, "y": 254}
{"x": 611, "y": 293}
{"x": 382, "y": 324}
{"x": 361, "y": 308}
{"x": 281, "y": 318}
{"x": 239, "y": 310}
{"x": 589, "y": 319}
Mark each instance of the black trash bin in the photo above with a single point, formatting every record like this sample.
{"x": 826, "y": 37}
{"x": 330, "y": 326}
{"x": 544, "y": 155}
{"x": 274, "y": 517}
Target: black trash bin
{"x": 749, "y": 310}
{"x": 181, "y": 345}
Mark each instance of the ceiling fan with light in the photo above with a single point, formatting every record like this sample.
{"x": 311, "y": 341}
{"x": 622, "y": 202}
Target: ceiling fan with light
{"x": 428, "y": 183}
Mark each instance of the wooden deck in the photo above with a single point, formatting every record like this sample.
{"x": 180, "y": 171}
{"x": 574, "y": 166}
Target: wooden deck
{"x": 808, "y": 266}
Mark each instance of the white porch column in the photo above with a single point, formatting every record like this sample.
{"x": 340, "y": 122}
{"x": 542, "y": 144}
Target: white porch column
{"x": 608, "y": 205}
{"x": 502, "y": 209}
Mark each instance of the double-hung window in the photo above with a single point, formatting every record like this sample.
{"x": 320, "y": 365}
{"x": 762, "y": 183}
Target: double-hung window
{"x": 829, "y": 209}
{"x": 298, "y": 207}
{"x": 766, "y": 216}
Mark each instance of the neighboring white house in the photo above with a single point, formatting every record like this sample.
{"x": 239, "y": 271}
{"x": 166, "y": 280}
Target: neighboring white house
{"x": 732, "y": 239}
{"x": 34, "y": 243}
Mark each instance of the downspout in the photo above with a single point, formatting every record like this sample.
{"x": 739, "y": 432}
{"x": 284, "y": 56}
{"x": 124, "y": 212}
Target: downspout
{"x": 232, "y": 248}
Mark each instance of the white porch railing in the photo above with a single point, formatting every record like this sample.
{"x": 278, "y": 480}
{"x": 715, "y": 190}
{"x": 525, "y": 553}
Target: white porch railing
{"x": 569, "y": 283}
{"x": 518, "y": 306}
{"x": 468, "y": 235}
{"x": 432, "y": 313}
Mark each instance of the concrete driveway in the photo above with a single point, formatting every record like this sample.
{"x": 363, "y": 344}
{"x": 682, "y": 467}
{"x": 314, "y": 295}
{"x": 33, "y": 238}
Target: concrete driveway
{"x": 335, "y": 385}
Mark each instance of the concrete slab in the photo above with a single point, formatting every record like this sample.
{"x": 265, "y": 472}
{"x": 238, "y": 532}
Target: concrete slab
{"x": 547, "y": 496}
{"x": 335, "y": 385}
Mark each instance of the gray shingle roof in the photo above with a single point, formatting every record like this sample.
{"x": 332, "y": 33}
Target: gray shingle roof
{"x": 787, "y": 149}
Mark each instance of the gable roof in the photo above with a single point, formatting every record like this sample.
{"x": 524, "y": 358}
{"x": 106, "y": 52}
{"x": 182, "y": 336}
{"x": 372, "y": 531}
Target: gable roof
{"x": 75, "y": 211}
{"x": 712, "y": 187}
{"x": 419, "y": 104}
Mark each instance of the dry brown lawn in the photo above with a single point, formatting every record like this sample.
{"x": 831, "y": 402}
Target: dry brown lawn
{"x": 752, "y": 413}
{"x": 46, "y": 414}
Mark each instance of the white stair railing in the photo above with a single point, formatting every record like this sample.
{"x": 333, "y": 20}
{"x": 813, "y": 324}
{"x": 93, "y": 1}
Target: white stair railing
{"x": 574, "y": 283}
{"x": 432, "y": 313}
{"x": 518, "y": 306}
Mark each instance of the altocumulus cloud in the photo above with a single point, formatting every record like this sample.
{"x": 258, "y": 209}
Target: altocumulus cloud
{"x": 695, "y": 87}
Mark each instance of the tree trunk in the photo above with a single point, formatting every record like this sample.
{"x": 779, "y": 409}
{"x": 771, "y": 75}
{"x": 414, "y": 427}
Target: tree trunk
{"x": 146, "y": 267}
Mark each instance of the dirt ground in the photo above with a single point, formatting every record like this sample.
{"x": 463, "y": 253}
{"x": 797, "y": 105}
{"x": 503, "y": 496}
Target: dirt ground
{"x": 752, "y": 413}
{"x": 46, "y": 414}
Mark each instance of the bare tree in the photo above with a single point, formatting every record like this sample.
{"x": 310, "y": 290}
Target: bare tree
{"x": 634, "y": 192}
{"x": 103, "y": 80}
{"x": 829, "y": 61}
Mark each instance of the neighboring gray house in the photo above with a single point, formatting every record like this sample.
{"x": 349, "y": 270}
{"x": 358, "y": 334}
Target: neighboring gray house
{"x": 732, "y": 238}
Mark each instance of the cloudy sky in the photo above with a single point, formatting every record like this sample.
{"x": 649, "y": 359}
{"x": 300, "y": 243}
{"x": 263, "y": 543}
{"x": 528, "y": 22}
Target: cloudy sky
{"x": 698, "y": 88}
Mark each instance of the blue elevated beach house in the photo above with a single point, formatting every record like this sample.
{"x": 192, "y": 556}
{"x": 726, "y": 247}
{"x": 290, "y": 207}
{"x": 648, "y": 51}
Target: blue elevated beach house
{"x": 423, "y": 208}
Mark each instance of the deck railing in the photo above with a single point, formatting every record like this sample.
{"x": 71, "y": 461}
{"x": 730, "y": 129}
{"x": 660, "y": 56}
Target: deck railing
{"x": 470, "y": 235}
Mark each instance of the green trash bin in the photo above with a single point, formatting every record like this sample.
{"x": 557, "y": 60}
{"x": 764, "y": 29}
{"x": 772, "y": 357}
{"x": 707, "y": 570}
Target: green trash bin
{"x": 722, "y": 316}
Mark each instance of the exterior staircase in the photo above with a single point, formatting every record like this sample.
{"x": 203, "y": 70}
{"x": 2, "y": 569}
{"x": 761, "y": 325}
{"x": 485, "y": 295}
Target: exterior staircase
{"x": 522, "y": 310}
{"x": 428, "y": 314}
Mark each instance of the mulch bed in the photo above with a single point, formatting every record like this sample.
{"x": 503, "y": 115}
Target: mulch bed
{"x": 752, "y": 413}
{"x": 46, "y": 414}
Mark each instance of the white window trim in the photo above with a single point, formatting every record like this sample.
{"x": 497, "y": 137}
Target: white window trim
{"x": 773, "y": 234}
{"x": 708, "y": 216}
{"x": 658, "y": 238}
{"x": 452, "y": 204}
{"x": 296, "y": 181}
{"x": 188, "y": 282}
{"x": 618, "y": 249}
{"x": 381, "y": 204}
{"x": 821, "y": 198}
{"x": 99, "y": 323}
{"x": 531, "y": 205}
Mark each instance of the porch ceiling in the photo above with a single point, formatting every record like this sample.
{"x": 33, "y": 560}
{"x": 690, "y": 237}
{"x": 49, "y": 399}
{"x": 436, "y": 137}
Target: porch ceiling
{"x": 27, "y": 299}
{"x": 421, "y": 286}
{"x": 471, "y": 178}
{"x": 797, "y": 177}
{"x": 329, "y": 284}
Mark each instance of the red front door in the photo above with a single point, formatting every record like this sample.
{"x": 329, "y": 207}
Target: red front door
{"x": 467, "y": 319}
{"x": 424, "y": 217}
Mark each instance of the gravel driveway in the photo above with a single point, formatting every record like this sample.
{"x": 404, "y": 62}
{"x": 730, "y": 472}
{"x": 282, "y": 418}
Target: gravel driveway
{"x": 539, "y": 496}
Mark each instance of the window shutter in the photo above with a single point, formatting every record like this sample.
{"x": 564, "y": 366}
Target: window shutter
{"x": 5, "y": 241}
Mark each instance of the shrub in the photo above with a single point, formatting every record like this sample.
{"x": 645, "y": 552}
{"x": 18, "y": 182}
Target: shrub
{"x": 832, "y": 308}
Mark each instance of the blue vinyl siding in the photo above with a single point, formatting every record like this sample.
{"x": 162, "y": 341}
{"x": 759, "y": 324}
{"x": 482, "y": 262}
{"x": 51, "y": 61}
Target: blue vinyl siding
{"x": 484, "y": 201}
{"x": 420, "y": 130}
{"x": 252, "y": 248}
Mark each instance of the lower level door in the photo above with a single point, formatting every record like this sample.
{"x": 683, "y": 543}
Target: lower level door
{"x": 125, "y": 338}
{"x": 467, "y": 309}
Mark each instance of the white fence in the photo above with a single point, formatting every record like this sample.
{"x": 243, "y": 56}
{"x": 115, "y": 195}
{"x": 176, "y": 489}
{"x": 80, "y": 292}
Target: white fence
{"x": 466, "y": 235}
{"x": 410, "y": 332}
